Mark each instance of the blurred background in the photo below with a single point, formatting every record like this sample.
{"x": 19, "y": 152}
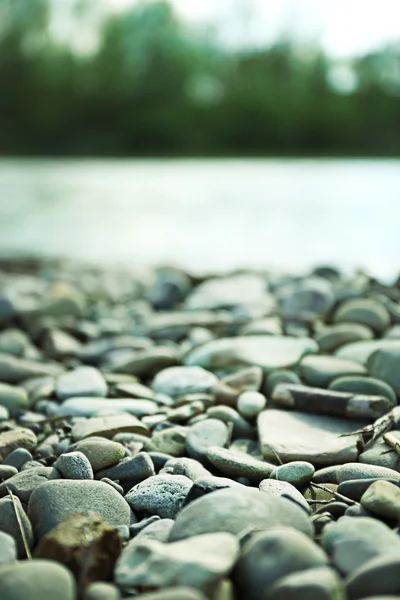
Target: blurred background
{"x": 211, "y": 134}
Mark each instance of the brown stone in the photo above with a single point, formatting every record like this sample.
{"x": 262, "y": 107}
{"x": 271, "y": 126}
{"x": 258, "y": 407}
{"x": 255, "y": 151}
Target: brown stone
{"x": 85, "y": 544}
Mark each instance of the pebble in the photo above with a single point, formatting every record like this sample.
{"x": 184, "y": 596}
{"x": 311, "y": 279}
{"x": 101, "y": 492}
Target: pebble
{"x": 285, "y": 490}
{"x": 207, "y": 484}
{"x": 22, "y": 484}
{"x": 204, "y": 435}
{"x": 8, "y": 549}
{"x": 298, "y": 473}
{"x": 363, "y": 385}
{"x": 16, "y": 370}
{"x": 7, "y": 471}
{"x": 377, "y": 577}
{"x": 319, "y": 371}
{"x": 364, "y": 311}
{"x": 162, "y": 495}
{"x": 384, "y": 364}
{"x": 199, "y": 562}
{"x": 101, "y": 453}
{"x": 9, "y": 524}
{"x": 151, "y": 529}
{"x": 382, "y": 498}
{"x": 179, "y": 381}
{"x": 333, "y": 337}
{"x": 170, "y": 441}
{"x": 130, "y": 470}
{"x": 36, "y": 580}
{"x": 250, "y": 404}
{"x": 13, "y": 398}
{"x": 52, "y": 501}
{"x": 91, "y": 407}
{"x": 74, "y": 465}
{"x": 100, "y": 590}
{"x": 83, "y": 381}
{"x": 361, "y": 351}
{"x": 280, "y": 376}
{"x": 238, "y": 464}
{"x": 362, "y": 471}
{"x": 16, "y": 438}
{"x": 268, "y": 556}
{"x": 107, "y": 427}
{"x": 355, "y": 488}
{"x": 320, "y": 583}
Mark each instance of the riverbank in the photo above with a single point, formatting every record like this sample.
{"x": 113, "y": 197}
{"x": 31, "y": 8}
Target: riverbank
{"x": 170, "y": 435}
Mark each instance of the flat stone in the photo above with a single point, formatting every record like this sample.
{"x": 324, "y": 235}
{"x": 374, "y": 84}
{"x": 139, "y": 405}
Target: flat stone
{"x": 319, "y": 584}
{"x": 353, "y": 470}
{"x": 267, "y": 352}
{"x": 101, "y": 453}
{"x": 9, "y": 524}
{"x": 13, "y": 398}
{"x": 363, "y": 385}
{"x": 382, "y": 498}
{"x": 298, "y": 473}
{"x": 238, "y": 464}
{"x": 204, "y": 435}
{"x": 22, "y": 484}
{"x": 36, "y": 580}
{"x": 333, "y": 337}
{"x": 91, "y": 407}
{"x": 146, "y": 363}
{"x": 74, "y": 465}
{"x": 320, "y": 370}
{"x": 85, "y": 544}
{"x": 51, "y": 502}
{"x": 237, "y": 511}
{"x": 199, "y": 562}
{"x": 384, "y": 364}
{"x": 268, "y": 556}
{"x": 81, "y": 382}
{"x": 308, "y": 437}
{"x": 8, "y": 549}
{"x": 162, "y": 495}
{"x": 16, "y": 370}
{"x": 365, "y": 311}
{"x": 16, "y": 438}
{"x": 378, "y": 577}
{"x": 361, "y": 351}
{"x": 179, "y": 381}
{"x": 107, "y": 427}
{"x": 286, "y": 490}
{"x": 352, "y": 542}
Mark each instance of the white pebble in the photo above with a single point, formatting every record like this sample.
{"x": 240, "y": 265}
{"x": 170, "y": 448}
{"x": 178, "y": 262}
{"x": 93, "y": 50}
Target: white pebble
{"x": 250, "y": 404}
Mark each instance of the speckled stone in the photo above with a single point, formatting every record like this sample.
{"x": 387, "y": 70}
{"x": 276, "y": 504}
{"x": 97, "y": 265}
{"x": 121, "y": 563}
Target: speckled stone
{"x": 161, "y": 495}
{"x": 74, "y": 465}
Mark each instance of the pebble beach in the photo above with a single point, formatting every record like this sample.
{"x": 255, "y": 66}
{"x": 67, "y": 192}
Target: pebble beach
{"x": 172, "y": 436}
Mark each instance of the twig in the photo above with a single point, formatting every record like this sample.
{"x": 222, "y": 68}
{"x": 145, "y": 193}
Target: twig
{"x": 278, "y": 458}
{"x": 336, "y": 495}
{"x": 392, "y": 442}
{"x": 21, "y": 527}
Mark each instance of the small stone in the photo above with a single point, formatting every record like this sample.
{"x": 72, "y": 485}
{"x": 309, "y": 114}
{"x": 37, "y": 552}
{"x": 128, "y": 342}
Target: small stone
{"x": 361, "y": 351}
{"x": 52, "y": 501}
{"x": 177, "y": 593}
{"x": 316, "y": 584}
{"x": 382, "y": 498}
{"x": 268, "y": 556}
{"x": 101, "y": 453}
{"x": 16, "y": 438}
{"x": 13, "y": 398}
{"x": 207, "y": 484}
{"x": 308, "y": 297}
{"x": 13, "y": 341}
{"x": 238, "y": 464}
{"x": 179, "y": 381}
{"x": 199, "y": 562}
{"x": 36, "y": 580}
{"x": 74, "y": 465}
{"x": 364, "y": 311}
{"x": 190, "y": 468}
{"x": 243, "y": 380}
{"x": 280, "y": 376}
{"x": 146, "y": 363}
{"x": 107, "y": 427}
{"x": 162, "y": 495}
{"x": 240, "y": 427}
{"x": 130, "y": 470}
{"x": 298, "y": 473}
{"x": 85, "y": 544}
{"x": 355, "y": 488}
{"x": 8, "y": 549}
{"x": 319, "y": 498}
{"x": 205, "y": 434}
{"x": 9, "y": 524}
{"x": 250, "y": 404}
{"x": 83, "y": 381}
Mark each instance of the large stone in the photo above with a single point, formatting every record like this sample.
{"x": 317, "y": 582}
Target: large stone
{"x": 85, "y": 544}
{"x": 51, "y": 502}
{"x": 199, "y": 562}
{"x": 331, "y": 338}
{"x": 363, "y": 471}
{"x": 36, "y": 580}
{"x": 270, "y": 555}
{"x": 267, "y": 352}
{"x": 101, "y": 453}
{"x": 308, "y": 437}
{"x": 363, "y": 385}
{"x": 239, "y": 464}
{"x": 8, "y": 549}
{"x": 11, "y": 525}
{"x": 16, "y": 370}
{"x": 238, "y": 510}
{"x": 83, "y": 381}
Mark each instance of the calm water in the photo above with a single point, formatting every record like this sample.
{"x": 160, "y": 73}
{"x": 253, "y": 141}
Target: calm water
{"x": 204, "y": 214}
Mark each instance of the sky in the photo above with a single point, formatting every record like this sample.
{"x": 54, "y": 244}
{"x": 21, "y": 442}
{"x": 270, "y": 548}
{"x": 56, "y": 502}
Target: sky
{"x": 344, "y": 28}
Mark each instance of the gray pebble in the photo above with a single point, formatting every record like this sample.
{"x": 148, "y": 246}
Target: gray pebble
{"x": 74, "y": 465}
{"x": 162, "y": 495}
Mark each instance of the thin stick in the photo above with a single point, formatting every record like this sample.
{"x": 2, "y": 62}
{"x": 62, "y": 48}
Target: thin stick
{"x": 336, "y": 495}
{"x": 21, "y": 527}
{"x": 392, "y": 442}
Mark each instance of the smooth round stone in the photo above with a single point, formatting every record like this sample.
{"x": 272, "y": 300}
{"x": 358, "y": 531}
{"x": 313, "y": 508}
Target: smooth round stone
{"x": 266, "y": 351}
{"x": 101, "y": 454}
{"x": 326, "y": 474}
{"x": 83, "y": 381}
{"x": 22, "y": 484}
{"x": 100, "y": 590}
{"x": 317, "y": 497}
{"x": 74, "y": 465}
{"x": 13, "y": 398}
{"x": 7, "y": 471}
{"x": 269, "y": 556}
{"x": 91, "y": 407}
{"x": 365, "y": 311}
{"x": 52, "y": 501}
{"x": 8, "y": 549}
{"x": 361, "y": 351}
{"x": 280, "y": 376}
{"x": 265, "y": 326}
{"x": 333, "y": 337}
{"x": 312, "y": 584}
{"x": 179, "y": 381}
{"x": 377, "y": 577}
{"x": 16, "y": 438}
{"x": 199, "y": 562}
{"x": 236, "y": 511}
{"x": 382, "y": 498}
{"x": 370, "y": 386}
{"x": 246, "y": 379}
{"x": 364, "y": 471}
{"x": 355, "y": 488}
{"x": 36, "y": 579}
{"x": 204, "y": 435}
{"x": 318, "y": 371}
{"x": 250, "y": 404}
{"x": 284, "y": 489}
{"x": 351, "y": 542}
{"x": 9, "y": 524}
{"x": 384, "y": 364}
{"x": 162, "y": 495}
{"x": 238, "y": 464}
{"x": 298, "y": 473}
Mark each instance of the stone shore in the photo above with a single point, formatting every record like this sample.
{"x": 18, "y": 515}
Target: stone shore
{"x": 171, "y": 436}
